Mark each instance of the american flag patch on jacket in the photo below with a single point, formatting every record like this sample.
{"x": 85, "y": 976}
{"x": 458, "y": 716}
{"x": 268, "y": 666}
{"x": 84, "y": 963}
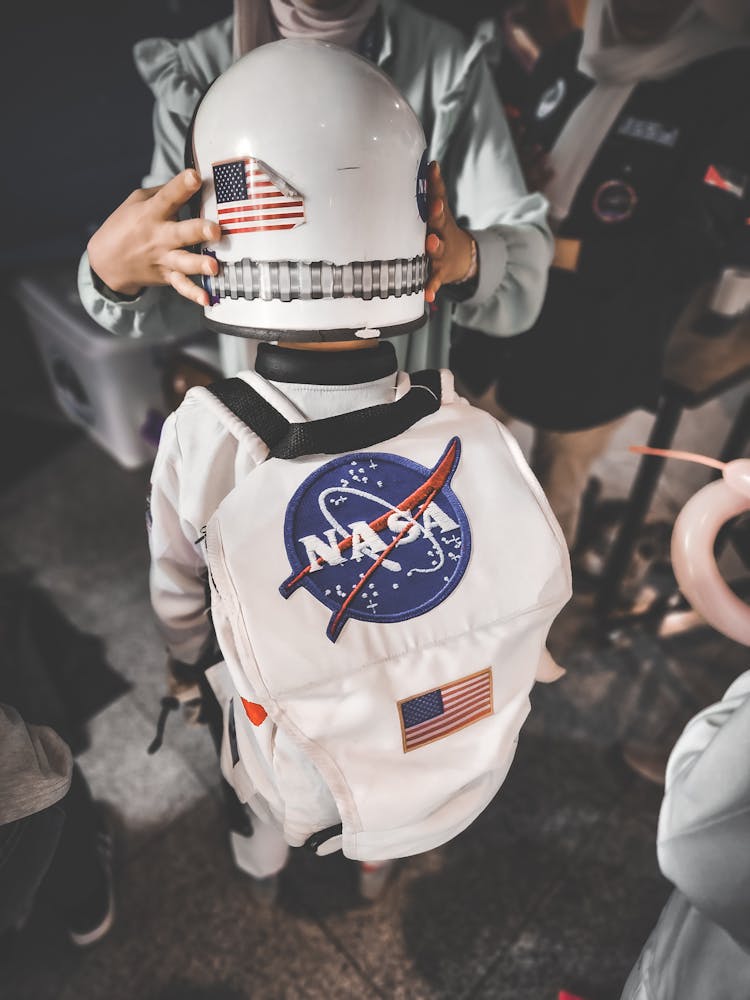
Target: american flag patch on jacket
{"x": 726, "y": 179}
{"x": 444, "y": 710}
{"x": 252, "y": 198}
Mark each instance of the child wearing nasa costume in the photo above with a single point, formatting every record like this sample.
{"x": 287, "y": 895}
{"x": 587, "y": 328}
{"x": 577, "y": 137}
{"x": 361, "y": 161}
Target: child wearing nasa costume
{"x": 383, "y": 568}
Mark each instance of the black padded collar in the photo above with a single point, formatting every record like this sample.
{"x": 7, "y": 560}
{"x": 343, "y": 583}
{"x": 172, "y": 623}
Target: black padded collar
{"x": 287, "y": 364}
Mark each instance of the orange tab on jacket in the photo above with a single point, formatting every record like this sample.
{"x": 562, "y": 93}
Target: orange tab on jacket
{"x": 255, "y": 713}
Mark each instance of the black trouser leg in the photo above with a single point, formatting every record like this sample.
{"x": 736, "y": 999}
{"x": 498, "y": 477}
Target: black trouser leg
{"x": 238, "y": 818}
{"x": 27, "y": 847}
{"x": 76, "y": 871}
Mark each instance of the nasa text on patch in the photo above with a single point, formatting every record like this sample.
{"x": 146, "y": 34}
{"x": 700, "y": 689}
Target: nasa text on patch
{"x": 377, "y": 537}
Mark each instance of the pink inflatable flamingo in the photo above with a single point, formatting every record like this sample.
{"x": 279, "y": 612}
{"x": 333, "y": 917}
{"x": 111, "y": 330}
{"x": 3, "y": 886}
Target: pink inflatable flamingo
{"x": 693, "y": 538}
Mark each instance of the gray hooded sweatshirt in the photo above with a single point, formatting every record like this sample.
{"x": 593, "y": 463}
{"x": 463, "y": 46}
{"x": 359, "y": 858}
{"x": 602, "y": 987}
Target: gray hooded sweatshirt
{"x": 700, "y": 948}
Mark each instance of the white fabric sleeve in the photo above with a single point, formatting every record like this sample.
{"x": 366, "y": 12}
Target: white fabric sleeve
{"x": 178, "y": 572}
{"x": 158, "y": 313}
{"x": 704, "y": 825}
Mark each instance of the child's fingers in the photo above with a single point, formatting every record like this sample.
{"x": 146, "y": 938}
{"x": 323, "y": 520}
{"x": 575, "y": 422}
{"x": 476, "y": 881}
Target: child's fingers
{"x": 435, "y": 183}
{"x": 432, "y": 288}
{"x": 437, "y": 213}
{"x": 434, "y": 246}
{"x": 190, "y": 263}
{"x": 435, "y": 277}
{"x": 436, "y": 193}
{"x": 170, "y": 197}
{"x": 188, "y": 232}
{"x": 187, "y": 288}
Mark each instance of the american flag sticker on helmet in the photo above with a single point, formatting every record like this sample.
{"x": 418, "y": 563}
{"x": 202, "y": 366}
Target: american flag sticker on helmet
{"x": 253, "y": 198}
{"x": 444, "y": 710}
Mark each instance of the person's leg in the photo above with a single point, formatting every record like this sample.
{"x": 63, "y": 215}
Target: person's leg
{"x": 373, "y": 878}
{"x": 562, "y": 463}
{"x": 27, "y": 847}
{"x": 76, "y": 872}
{"x": 79, "y": 881}
{"x": 261, "y": 854}
{"x": 238, "y": 819}
{"x": 561, "y": 460}
{"x": 485, "y": 400}
{"x": 258, "y": 848}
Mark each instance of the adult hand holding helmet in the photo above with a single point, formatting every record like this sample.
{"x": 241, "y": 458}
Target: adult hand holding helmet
{"x": 142, "y": 242}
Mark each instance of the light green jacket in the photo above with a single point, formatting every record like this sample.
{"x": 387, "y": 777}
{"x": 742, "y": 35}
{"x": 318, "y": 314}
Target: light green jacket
{"x": 448, "y": 83}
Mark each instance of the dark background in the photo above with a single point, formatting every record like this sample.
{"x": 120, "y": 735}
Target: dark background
{"x": 77, "y": 117}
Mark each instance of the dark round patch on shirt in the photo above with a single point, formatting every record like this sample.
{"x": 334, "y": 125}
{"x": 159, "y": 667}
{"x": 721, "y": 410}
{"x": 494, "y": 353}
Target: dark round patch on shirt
{"x": 614, "y": 201}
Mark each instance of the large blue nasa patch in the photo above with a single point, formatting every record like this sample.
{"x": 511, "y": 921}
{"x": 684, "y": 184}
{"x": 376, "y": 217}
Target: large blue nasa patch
{"x": 377, "y": 537}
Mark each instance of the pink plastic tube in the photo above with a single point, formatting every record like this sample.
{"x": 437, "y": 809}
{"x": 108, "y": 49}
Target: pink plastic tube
{"x": 693, "y": 538}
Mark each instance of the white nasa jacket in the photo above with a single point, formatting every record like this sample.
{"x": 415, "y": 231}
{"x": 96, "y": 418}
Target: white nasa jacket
{"x": 323, "y": 754}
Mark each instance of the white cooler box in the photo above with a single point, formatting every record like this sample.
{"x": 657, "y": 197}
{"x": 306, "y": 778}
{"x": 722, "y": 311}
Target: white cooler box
{"x": 112, "y": 386}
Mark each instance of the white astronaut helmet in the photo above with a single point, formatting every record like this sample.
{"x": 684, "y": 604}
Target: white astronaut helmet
{"x": 315, "y": 167}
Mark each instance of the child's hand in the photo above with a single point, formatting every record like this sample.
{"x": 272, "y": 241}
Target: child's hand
{"x": 447, "y": 245}
{"x": 142, "y": 242}
{"x": 184, "y": 688}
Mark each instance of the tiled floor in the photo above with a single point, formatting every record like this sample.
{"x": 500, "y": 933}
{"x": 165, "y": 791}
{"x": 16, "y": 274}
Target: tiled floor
{"x": 554, "y": 886}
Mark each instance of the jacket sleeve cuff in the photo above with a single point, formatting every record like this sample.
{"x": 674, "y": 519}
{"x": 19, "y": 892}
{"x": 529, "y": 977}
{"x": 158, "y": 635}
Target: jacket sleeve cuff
{"x": 492, "y": 258}
{"x": 91, "y": 287}
{"x": 110, "y": 293}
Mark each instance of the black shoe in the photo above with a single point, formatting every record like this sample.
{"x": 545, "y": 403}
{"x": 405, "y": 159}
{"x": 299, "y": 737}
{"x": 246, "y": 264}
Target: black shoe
{"x": 93, "y": 917}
